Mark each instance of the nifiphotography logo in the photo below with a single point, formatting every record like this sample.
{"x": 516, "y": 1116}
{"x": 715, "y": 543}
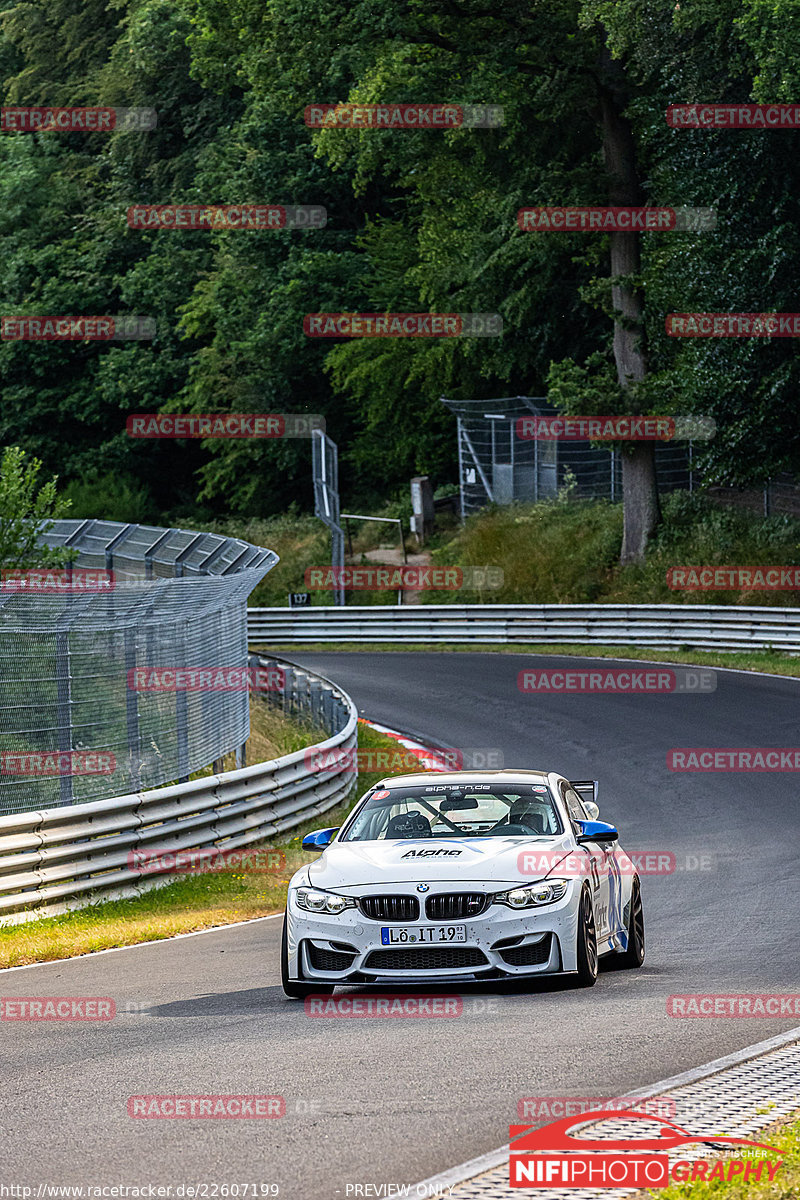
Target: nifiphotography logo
{"x": 551, "y": 1156}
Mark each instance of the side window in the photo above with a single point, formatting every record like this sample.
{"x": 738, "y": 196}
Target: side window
{"x": 574, "y": 805}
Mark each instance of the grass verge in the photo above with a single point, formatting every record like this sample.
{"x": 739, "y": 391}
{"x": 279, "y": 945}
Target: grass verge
{"x": 196, "y": 901}
{"x": 784, "y": 1186}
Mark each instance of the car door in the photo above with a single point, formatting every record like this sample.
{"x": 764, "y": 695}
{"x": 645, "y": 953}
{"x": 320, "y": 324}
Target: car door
{"x": 602, "y": 869}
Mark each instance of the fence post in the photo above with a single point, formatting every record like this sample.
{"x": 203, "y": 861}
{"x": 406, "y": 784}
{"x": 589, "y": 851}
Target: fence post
{"x": 182, "y": 713}
{"x": 315, "y": 699}
{"x": 132, "y": 711}
{"x": 64, "y": 696}
{"x": 613, "y": 475}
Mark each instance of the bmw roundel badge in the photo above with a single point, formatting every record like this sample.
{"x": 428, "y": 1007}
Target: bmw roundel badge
{"x": 423, "y": 887}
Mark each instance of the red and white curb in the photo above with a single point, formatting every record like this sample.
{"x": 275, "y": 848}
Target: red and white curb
{"x": 429, "y": 757}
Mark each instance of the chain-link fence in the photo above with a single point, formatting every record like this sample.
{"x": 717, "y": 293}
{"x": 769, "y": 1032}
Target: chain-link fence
{"x": 497, "y": 466}
{"x": 117, "y": 684}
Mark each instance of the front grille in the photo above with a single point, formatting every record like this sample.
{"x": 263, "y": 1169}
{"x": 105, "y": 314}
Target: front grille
{"x": 451, "y": 905}
{"x": 425, "y": 958}
{"x": 533, "y": 954}
{"x": 390, "y": 908}
{"x": 328, "y": 960}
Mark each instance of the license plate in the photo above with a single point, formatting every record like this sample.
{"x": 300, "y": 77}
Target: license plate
{"x": 403, "y": 935}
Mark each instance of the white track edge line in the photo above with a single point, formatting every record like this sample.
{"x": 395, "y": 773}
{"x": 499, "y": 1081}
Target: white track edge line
{"x": 495, "y": 1158}
{"x": 53, "y": 962}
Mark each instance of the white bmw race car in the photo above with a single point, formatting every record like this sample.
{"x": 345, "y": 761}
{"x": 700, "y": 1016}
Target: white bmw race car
{"x": 464, "y": 875}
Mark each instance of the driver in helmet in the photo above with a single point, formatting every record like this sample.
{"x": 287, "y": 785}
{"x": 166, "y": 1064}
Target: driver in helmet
{"x": 526, "y": 811}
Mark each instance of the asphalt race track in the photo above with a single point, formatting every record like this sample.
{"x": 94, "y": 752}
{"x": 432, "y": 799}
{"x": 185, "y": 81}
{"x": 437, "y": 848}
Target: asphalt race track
{"x": 376, "y": 1101}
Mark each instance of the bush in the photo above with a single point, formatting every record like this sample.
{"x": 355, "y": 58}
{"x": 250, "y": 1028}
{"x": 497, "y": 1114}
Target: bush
{"x": 111, "y": 498}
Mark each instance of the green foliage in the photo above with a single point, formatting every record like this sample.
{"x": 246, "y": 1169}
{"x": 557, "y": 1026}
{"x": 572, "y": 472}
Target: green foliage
{"x": 110, "y": 498}
{"x": 528, "y": 543}
{"x": 28, "y": 509}
{"x": 417, "y": 221}
{"x": 559, "y": 552}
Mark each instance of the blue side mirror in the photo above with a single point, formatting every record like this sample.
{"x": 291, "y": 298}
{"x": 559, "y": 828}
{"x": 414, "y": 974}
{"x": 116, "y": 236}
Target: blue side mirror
{"x": 596, "y": 831}
{"x": 319, "y": 839}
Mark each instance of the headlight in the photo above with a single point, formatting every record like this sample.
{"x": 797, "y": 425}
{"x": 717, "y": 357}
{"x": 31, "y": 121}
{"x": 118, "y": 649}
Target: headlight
{"x": 534, "y": 896}
{"x": 314, "y": 900}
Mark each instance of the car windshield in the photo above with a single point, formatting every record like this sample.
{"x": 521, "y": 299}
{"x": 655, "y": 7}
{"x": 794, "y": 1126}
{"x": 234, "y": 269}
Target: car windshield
{"x": 450, "y": 810}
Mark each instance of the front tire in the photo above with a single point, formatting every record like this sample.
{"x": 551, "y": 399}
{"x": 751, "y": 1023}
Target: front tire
{"x": 634, "y": 955}
{"x": 587, "y": 942}
{"x": 293, "y": 988}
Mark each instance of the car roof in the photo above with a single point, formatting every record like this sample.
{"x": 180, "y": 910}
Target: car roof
{"x": 465, "y": 777}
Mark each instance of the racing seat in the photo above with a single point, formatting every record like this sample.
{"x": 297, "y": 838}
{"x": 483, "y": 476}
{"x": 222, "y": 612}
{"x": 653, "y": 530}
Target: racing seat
{"x": 408, "y": 825}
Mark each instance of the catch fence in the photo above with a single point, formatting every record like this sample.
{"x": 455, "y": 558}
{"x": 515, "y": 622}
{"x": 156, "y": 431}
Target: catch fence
{"x": 91, "y": 702}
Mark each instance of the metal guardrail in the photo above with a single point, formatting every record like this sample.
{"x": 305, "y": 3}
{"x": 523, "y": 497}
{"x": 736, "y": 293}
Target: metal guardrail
{"x": 660, "y": 626}
{"x": 61, "y": 858}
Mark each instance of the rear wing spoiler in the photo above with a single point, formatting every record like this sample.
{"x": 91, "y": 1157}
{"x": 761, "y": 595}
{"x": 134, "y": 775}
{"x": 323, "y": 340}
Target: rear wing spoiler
{"x": 586, "y": 788}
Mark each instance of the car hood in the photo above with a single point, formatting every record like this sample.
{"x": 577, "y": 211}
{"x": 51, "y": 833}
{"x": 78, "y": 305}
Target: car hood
{"x": 346, "y": 865}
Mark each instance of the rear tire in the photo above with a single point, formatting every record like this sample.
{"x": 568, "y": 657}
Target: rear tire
{"x": 293, "y": 988}
{"x": 634, "y": 955}
{"x": 587, "y": 943}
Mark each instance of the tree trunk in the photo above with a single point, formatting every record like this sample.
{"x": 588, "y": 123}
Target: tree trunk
{"x": 641, "y": 508}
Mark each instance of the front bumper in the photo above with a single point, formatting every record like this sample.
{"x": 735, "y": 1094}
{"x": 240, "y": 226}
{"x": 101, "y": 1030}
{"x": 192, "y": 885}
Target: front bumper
{"x": 501, "y": 943}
